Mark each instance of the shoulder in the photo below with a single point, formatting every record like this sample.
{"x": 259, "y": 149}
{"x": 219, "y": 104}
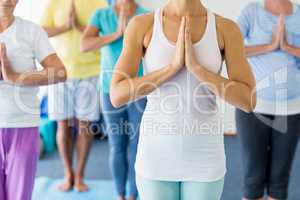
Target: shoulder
{"x": 103, "y": 11}
{"x": 140, "y": 27}
{"x": 297, "y": 7}
{"x": 99, "y": 3}
{"x": 228, "y": 32}
{"x": 32, "y": 30}
{"x": 28, "y": 25}
{"x": 53, "y": 3}
{"x": 252, "y": 6}
{"x": 142, "y": 23}
{"x": 227, "y": 26}
{"x": 144, "y": 19}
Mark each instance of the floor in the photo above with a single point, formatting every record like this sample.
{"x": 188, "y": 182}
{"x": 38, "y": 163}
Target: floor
{"x": 98, "y": 168}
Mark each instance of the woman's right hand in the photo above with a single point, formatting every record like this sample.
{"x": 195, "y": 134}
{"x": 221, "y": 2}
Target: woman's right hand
{"x": 278, "y": 33}
{"x": 178, "y": 61}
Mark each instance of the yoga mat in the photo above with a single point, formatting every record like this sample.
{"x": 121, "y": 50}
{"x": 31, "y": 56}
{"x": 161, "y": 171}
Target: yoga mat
{"x": 46, "y": 189}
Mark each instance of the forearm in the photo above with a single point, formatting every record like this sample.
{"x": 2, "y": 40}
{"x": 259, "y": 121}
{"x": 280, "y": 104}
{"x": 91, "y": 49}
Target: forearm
{"x": 235, "y": 93}
{"x": 52, "y": 32}
{"x": 290, "y": 49}
{"x": 93, "y": 43}
{"x": 36, "y": 78}
{"x": 258, "y": 49}
{"x": 131, "y": 89}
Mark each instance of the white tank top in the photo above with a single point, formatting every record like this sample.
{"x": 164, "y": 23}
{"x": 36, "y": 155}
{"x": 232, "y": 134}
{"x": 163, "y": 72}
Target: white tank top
{"x": 181, "y": 133}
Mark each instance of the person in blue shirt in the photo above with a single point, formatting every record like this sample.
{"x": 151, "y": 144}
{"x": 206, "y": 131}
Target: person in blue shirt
{"x": 111, "y": 2}
{"x": 269, "y": 135}
{"x": 105, "y": 31}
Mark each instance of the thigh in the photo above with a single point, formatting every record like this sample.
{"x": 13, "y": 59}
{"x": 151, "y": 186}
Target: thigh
{"x": 158, "y": 190}
{"x": 86, "y": 98}
{"x": 198, "y": 190}
{"x": 135, "y": 112}
{"x": 115, "y": 122}
{"x": 254, "y": 137}
{"x": 22, "y": 161}
{"x": 254, "y": 131}
{"x": 2, "y": 185}
{"x": 2, "y": 161}
{"x": 61, "y": 103}
{"x": 283, "y": 148}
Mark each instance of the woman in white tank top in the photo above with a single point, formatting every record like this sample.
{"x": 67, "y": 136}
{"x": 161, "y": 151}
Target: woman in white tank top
{"x": 181, "y": 149}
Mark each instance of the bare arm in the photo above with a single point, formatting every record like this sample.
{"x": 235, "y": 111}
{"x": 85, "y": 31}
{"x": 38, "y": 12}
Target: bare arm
{"x": 274, "y": 45}
{"x": 239, "y": 88}
{"x": 126, "y": 86}
{"x": 259, "y": 49}
{"x": 52, "y": 32}
{"x": 91, "y": 40}
{"x": 53, "y": 72}
{"x": 290, "y": 49}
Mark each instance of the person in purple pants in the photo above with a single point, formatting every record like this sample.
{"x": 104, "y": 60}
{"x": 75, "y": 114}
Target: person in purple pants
{"x": 22, "y": 44}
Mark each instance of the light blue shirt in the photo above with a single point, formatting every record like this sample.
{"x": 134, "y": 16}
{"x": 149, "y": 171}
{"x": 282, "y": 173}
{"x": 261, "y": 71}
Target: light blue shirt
{"x": 106, "y": 20}
{"x": 277, "y": 73}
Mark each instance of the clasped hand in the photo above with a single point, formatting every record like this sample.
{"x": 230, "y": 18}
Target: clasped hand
{"x": 4, "y": 60}
{"x": 185, "y": 54}
{"x": 72, "y": 21}
{"x": 279, "y": 40}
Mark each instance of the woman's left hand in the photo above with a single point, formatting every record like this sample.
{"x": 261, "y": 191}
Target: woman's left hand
{"x": 191, "y": 61}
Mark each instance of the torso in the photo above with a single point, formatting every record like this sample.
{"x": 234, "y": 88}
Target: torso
{"x": 284, "y": 67}
{"x": 171, "y": 24}
{"x": 19, "y": 105}
{"x": 178, "y": 112}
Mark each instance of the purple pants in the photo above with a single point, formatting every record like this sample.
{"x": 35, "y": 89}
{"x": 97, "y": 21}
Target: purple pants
{"x": 18, "y": 162}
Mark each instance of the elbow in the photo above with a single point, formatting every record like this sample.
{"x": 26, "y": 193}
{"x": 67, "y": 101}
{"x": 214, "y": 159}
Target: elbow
{"x": 116, "y": 98}
{"x": 48, "y": 32}
{"x": 250, "y": 103}
{"x": 83, "y": 46}
{"x": 61, "y": 75}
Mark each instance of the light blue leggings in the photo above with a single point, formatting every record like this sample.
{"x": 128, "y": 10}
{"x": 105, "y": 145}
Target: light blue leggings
{"x": 163, "y": 190}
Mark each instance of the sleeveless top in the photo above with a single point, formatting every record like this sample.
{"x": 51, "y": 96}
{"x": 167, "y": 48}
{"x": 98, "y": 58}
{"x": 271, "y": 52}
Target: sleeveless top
{"x": 181, "y": 133}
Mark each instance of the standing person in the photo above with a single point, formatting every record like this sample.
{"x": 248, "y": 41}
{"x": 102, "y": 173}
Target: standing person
{"x": 181, "y": 149}
{"x": 65, "y": 20}
{"x": 111, "y": 2}
{"x": 106, "y": 31}
{"x": 22, "y": 43}
{"x": 269, "y": 135}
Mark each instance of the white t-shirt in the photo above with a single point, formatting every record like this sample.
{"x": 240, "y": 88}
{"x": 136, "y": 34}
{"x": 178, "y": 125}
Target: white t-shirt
{"x": 25, "y": 42}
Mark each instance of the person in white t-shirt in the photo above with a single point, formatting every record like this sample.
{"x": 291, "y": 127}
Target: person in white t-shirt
{"x": 22, "y": 43}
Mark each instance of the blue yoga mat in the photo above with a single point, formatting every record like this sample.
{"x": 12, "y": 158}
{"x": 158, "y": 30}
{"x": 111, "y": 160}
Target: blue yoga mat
{"x": 46, "y": 189}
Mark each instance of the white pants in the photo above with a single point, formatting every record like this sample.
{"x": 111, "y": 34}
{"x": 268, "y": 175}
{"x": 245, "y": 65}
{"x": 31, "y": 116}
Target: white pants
{"x": 75, "y": 98}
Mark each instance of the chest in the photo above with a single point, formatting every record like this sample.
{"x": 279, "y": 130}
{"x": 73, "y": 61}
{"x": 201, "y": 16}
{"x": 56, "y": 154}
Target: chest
{"x": 171, "y": 27}
{"x": 20, "y": 52}
{"x": 84, "y": 9}
{"x": 262, "y": 29}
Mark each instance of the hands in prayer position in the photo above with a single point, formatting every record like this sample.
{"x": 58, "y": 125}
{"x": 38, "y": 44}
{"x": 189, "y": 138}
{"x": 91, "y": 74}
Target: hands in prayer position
{"x": 185, "y": 53}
